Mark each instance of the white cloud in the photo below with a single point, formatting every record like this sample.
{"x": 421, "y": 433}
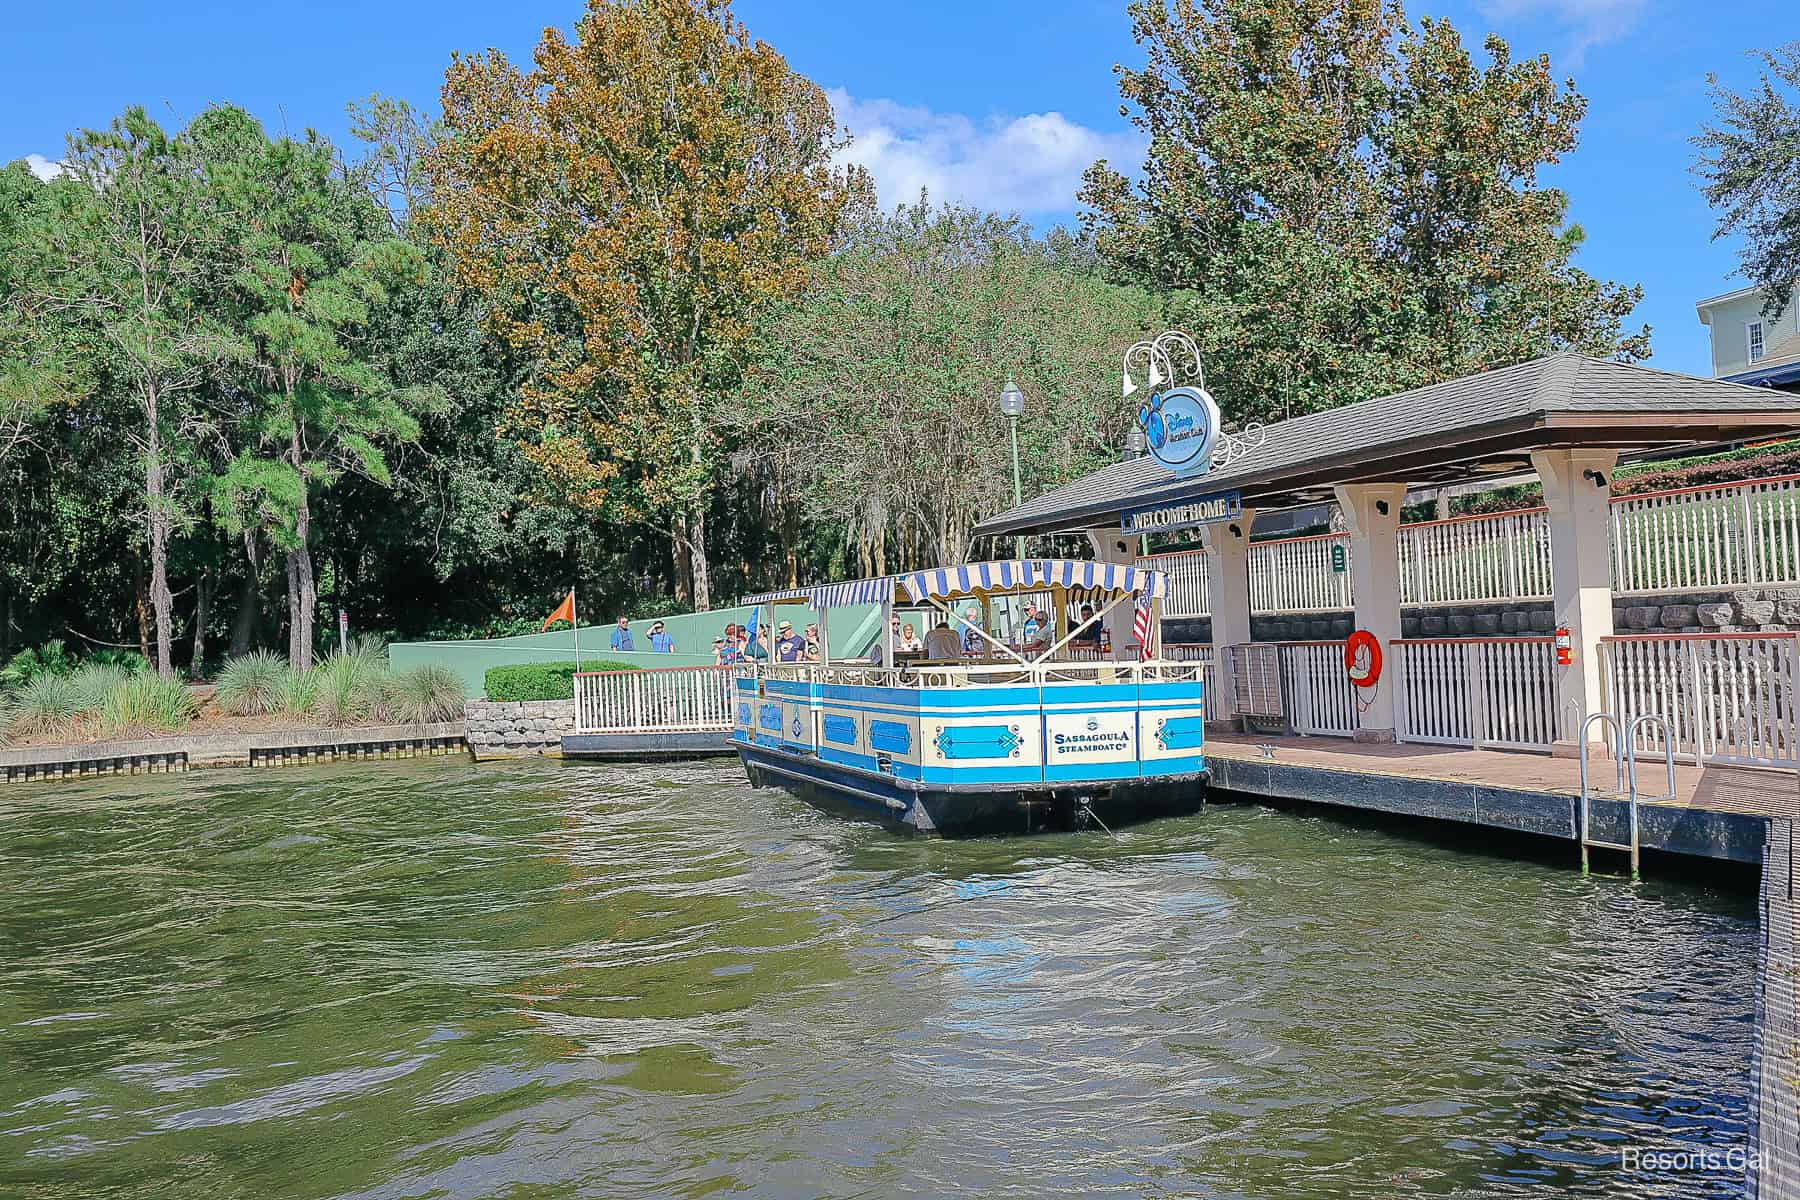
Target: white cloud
{"x": 1588, "y": 23}
{"x": 1030, "y": 164}
{"x": 42, "y": 167}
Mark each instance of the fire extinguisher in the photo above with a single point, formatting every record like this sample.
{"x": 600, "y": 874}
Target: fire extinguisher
{"x": 1565, "y": 647}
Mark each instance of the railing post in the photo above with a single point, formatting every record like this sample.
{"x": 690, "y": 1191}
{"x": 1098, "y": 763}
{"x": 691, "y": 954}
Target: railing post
{"x": 1747, "y": 536}
{"x": 1691, "y": 650}
{"x": 1477, "y": 709}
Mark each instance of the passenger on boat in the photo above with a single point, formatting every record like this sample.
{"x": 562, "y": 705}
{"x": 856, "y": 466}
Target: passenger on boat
{"x": 972, "y": 641}
{"x": 1091, "y": 635}
{"x": 1034, "y": 634}
{"x": 728, "y": 651}
{"x": 812, "y": 643}
{"x": 942, "y": 642}
{"x": 790, "y": 647}
{"x": 908, "y": 642}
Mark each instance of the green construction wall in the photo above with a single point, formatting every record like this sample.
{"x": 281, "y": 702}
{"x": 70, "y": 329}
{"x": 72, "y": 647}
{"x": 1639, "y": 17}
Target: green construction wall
{"x": 851, "y": 631}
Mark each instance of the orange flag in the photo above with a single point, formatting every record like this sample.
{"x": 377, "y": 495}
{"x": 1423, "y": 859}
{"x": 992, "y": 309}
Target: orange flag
{"x": 564, "y": 611}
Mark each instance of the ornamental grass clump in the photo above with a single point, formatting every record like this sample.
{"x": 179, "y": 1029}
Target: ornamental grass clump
{"x": 48, "y": 704}
{"x": 257, "y": 684}
{"x": 424, "y": 694}
{"x": 352, "y": 687}
{"x": 95, "y": 682}
{"x": 299, "y": 693}
{"x": 147, "y": 701}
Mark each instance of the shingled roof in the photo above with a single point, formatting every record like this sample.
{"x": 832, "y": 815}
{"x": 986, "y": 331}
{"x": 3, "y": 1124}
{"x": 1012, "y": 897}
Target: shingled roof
{"x": 1447, "y": 432}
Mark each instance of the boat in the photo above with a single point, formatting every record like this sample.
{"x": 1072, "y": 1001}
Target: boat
{"x": 1054, "y": 722}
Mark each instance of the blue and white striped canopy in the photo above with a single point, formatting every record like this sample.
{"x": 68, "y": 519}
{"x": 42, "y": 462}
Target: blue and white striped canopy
{"x": 833, "y": 595}
{"x": 1020, "y": 575}
{"x": 943, "y": 582}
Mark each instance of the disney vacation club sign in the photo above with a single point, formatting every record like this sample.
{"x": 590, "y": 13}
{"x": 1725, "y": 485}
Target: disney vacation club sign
{"x": 1180, "y": 426}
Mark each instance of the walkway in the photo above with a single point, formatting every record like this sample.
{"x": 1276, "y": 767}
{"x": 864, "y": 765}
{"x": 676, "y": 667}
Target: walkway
{"x": 1718, "y": 812}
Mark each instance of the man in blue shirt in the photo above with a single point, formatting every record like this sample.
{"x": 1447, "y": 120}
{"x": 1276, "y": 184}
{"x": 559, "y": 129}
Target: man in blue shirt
{"x": 621, "y": 637}
{"x": 789, "y": 646}
{"x": 660, "y": 642}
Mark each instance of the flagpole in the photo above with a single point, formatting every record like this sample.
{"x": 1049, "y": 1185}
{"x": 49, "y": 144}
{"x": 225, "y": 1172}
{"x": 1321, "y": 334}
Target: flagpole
{"x": 575, "y": 628}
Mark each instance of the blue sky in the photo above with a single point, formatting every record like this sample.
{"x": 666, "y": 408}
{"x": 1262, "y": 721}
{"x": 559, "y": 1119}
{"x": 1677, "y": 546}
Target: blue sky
{"x": 998, "y": 103}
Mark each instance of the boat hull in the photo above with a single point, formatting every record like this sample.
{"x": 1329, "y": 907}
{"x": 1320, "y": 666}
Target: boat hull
{"x": 963, "y": 810}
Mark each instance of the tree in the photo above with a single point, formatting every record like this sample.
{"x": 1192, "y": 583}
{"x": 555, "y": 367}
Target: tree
{"x": 873, "y": 408}
{"x": 1338, "y": 204}
{"x": 36, "y": 371}
{"x": 311, "y": 264}
{"x": 631, "y": 206}
{"x": 1750, "y": 160}
{"x": 129, "y": 242}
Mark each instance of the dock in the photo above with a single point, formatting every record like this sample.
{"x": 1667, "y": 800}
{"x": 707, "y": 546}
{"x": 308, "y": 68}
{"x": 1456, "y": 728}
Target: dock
{"x": 1718, "y": 812}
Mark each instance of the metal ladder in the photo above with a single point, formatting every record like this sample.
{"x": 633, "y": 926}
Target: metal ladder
{"x": 1625, "y": 780}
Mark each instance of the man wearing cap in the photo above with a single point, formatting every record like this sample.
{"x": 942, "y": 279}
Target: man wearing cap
{"x": 660, "y": 642}
{"x": 621, "y": 637}
{"x": 789, "y": 646}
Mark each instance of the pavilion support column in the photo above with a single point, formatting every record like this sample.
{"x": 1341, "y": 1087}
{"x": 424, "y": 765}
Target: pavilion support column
{"x": 1228, "y": 595}
{"x": 1111, "y": 545}
{"x": 1578, "y": 493}
{"x": 1372, "y": 511}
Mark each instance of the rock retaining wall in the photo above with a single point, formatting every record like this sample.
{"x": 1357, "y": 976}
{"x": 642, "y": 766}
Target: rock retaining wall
{"x": 518, "y": 726}
{"x": 1746, "y": 610}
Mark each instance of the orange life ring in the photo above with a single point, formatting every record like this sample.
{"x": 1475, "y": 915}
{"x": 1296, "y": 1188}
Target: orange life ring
{"x": 1354, "y": 646}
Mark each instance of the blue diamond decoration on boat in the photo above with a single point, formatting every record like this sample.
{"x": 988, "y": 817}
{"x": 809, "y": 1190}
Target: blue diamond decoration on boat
{"x": 978, "y": 741}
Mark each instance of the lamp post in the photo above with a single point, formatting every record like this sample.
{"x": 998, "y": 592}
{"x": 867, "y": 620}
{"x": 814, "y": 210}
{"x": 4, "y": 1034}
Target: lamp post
{"x": 1135, "y": 442}
{"x": 1012, "y": 407}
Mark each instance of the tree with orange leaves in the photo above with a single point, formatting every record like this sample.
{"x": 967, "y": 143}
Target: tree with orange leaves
{"x": 630, "y": 206}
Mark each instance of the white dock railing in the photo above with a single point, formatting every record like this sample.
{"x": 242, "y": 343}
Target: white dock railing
{"x": 1724, "y": 536}
{"x": 1321, "y": 699}
{"x": 1728, "y": 698}
{"x": 654, "y": 700}
{"x": 1474, "y": 559}
{"x": 1730, "y": 535}
{"x": 1476, "y": 692}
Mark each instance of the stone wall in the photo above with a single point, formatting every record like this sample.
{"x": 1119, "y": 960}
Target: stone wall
{"x": 1748, "y": 610}
{"x": 518, "y": 726}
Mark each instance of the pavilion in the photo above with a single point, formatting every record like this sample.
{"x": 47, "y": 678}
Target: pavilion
{"x": 1568, "y": 417}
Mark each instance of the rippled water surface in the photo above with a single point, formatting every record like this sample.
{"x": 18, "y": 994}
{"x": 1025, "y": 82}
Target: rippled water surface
{"x": 532, "y": 980}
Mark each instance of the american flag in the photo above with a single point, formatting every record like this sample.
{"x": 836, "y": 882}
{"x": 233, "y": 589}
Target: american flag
{"x": 1140, "y": 624}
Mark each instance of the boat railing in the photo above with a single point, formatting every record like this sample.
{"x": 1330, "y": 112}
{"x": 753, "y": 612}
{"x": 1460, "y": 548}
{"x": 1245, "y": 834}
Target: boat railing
{"x": 985, "y": 673}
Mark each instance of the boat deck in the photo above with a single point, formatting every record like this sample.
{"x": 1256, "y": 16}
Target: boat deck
{"x": 1718, "y": 812}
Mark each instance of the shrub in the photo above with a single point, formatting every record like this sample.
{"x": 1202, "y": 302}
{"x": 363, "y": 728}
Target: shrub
{"x": 253, "y": 685}
{"x": 147, "y": 701}
{"x": 45, "y": 705}
{"x": 131, "y": 661}
{"x": 541, "y": 681}
{"x": 427, "y": 692}
{"x": 49, "y": 659}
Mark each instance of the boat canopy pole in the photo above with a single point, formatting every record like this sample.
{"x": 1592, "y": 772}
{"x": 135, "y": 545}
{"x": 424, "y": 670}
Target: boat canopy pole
{"x": 1070, "y": 636}
{"x": 1001, "y": 646}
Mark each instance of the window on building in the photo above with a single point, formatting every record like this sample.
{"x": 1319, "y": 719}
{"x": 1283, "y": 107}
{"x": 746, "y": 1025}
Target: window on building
{"x": 1756, "y": 340}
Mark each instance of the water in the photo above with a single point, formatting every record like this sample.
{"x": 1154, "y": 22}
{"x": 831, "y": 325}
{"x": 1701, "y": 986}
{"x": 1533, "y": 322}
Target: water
{"x": 532, "y": 980}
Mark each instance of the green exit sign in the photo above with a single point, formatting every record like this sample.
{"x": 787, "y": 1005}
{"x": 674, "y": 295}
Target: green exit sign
{"x": 1337, "y": 558}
